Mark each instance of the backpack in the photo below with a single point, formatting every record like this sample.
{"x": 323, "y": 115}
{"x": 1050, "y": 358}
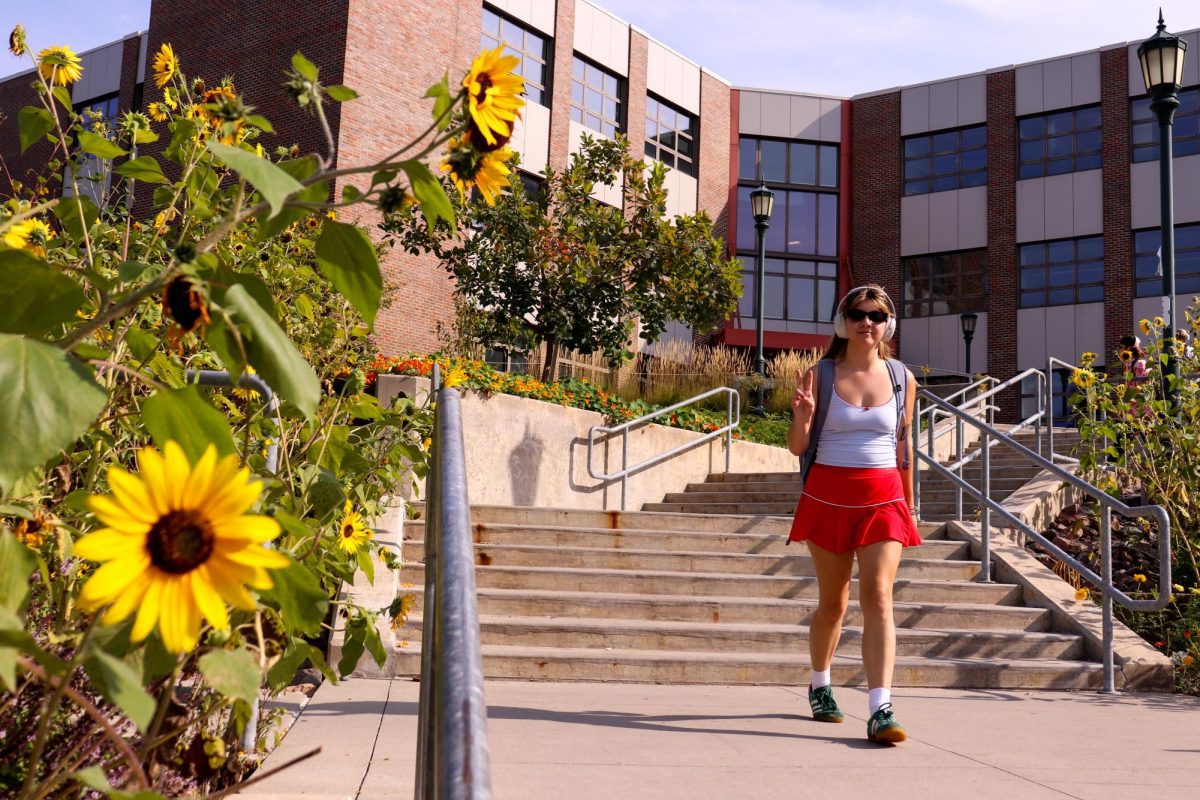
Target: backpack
{"x": 825, "y": 378}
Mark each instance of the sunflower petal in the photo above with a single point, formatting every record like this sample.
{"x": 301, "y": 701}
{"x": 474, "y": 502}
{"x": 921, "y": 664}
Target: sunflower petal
{"x": 114, "y": 515}
{"x": 169, "y": 622}
{"x": 110, "y": 580}
{"x": 153, "y": 471}
{"x": 127, "y": 602}
{"x": 177, "y": 471}
{"x": 227, "y": 579}
{"x": 208, "y": 600}
{"x": 131, "y": 493}
{"x": 106, "y": 544}
{"x": 199, "y": 483}
{"x": 258, "y": 557}
{"x": 147, "y": 614}
{"x": 251, "y": 528}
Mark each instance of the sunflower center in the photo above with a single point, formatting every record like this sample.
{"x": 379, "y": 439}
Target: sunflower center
{"x": 180, "y": 541}
{"x": 347, "y": 531}
{"x": 485, "y": 83}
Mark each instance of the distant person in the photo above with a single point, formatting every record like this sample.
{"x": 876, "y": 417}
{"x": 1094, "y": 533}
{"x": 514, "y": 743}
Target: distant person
{"x": 858, "y": 495}
{"x": 1134, "y": 357}
{"x": 1183, "y": 341}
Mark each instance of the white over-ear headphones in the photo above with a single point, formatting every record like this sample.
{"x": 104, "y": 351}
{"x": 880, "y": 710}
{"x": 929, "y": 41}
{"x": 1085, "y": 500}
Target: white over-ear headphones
{"x": 839, "y": 319}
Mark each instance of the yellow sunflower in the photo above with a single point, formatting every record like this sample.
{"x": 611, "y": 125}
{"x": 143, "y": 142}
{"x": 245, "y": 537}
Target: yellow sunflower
{"x": 353, "y": 533}
{"x": 1082, "y": 593}
{"x": 1144, "y": 326}
{"x": 1083, "y": 378}
{"x": 494, "y": 93}
{"x": 1088, "y": 358}
{"x": 157, "y": 112}
{"x": 178, "y": 544}
{"x": 59, "y": 65}
{"x": 166, "y": 65}
{"x": 487, "y": 171}
{"x": 29, "y": 234}
{"x": 246, "y": 394}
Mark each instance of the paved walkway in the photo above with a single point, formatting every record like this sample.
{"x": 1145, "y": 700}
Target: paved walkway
{"x": 605, "y": 741}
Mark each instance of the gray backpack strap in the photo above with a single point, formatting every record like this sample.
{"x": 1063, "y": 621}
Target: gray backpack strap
{"x": 900, "y": 390}
{"x": 825, "y": 379}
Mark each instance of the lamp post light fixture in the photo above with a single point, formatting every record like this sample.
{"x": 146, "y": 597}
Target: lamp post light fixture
{"x": 1161, "y": 58}
{"x": 762, "y": 202}
{"x": 967, "y": 320}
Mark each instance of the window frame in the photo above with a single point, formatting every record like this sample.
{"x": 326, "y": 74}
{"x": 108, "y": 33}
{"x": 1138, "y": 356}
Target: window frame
{"x": 1046, "y": 266}
{"x": 958, "y": 174}
{"x": 693, "y": 135}
{"x": 749, "y": 296}
{"x": 960, "y": 301}
{"x": 1190, "y": 253}
{"x": 547, "y": 61}
{"x": 1046, "y": 158}
{"x": 789, "y": 150}
{"x": 1189, "y": 110}
{"x": 621, "y": 97}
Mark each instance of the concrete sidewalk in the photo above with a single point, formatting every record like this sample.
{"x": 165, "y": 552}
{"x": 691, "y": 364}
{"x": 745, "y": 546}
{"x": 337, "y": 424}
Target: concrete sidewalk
{"x": 604, "y": 741}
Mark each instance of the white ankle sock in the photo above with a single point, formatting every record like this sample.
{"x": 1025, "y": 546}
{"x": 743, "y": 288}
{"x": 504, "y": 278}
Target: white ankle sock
{"x": 820, "y": 678}
{"x": 879, "y": 697}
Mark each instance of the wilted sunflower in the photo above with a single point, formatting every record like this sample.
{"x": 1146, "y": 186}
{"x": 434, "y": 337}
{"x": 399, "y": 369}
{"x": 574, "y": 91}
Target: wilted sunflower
{"x": 178, "y": 544}
{"x": 469, "y": 167}
{"x": 29, "y": 234}
{"x": 59, "y": 65}
{"x": 166, "y": 65}
{"x": 33, "y": 532}
{"x": 184, "y": 304}
{"x": 352, "y": 531}
{"x": 157, "y": 112}
{"x": 16, "y": 41}
{"x": 494, "y": 94}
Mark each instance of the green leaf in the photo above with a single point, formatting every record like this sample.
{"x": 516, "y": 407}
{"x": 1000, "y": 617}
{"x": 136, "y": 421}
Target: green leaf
{"x": 281, "y": 674}
{"x": 130, "y": 270}
{"x": 429, "y": 193}
{"x": 350, "y": 193}
{"x": 202, "y": 183}
{"x": 347, "y": 257}
{"x": 224, "y": 278}
{"x": 440, "y": 92}
{"x": 142, "y": 168}
{"x": 121, "y": 685}
{"x": 301, "y": 600}
{"x": 305, "y": 307}
{"x": 48, "y": 401}
{"x": 341, "y": 93}
{"x": 16, "y": 563}
{"x": 141, "y": 343}
{"x": 85, "y": 351}
{"x": 353, "y": 646}
{"x": 366, "y": 563}
{"x": 99, "y": 146}
{"x": 77, "y": 214}
{"x": 144, "y": 136}
{"x": 63, "y": 95}
{"x": 304, "y": 68}
{"x": 35, "y": 296}
{"x": 13, "y": 635}
{"x": 183, "y": 132}
{"x": 272, "y": 183}
{"x": 184, "y": 416}
{"x": 94, "y": 778}
{"x": 260, "y": 122}
{"x": 233, "y": 673}
{"x": 299, "y": 168}
{"x": 33, "y": 123}
{"x": 272, "y": 353}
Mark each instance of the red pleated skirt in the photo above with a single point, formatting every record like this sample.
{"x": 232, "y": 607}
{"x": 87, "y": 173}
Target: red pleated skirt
{"x": 845, "y": 508}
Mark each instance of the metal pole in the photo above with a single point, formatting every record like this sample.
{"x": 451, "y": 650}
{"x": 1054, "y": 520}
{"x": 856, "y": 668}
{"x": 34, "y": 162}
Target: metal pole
{"x": 1107, "y": 601}
{"x": 967, "y": 337}
{"x": 729, "y": 433}
{"x": 426, "y": 781}
{"x": 624, "y": 464}
{"x": 985, "y": 528}
{"x": 1165, "y": 107}
{"x": 962, "y": 471}
{"x": 916, "y": 462}
{"x": 760, "y": 364}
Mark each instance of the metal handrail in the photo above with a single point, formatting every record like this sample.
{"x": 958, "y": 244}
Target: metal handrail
{"x": 733, "y": 418}
{"x": 1050, "y": 362}
{"x": 452, "y": 749}
{"x": 1104, "y": 580}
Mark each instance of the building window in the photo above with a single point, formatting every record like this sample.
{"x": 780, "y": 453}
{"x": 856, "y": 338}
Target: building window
{"x": 946, "y": 283}
{"x": 797, "y": 163}
{"x": 1185, "y": 133}
{"x": 938, "y": 162}
{"x": 531, "y": 47}
{"x": 103, "y": 110}
{"x": 1062, "y": 272}
{"x": 670, "y": 135}
{"x": 1059, "y": 142}
{"x": 1146, "y": 270}
{"x": 596, "y": 98}
{"x": 793, "y": 289}
{"x": 803, "y": 223}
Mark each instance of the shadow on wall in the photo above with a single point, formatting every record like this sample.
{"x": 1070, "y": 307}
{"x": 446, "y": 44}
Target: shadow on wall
{"x": 524, "y": 468}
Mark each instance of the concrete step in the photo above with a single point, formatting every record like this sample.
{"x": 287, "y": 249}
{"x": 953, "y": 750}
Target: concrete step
{"x": 796, "y": 564}
{"x": 786, "y": 487}
{"x": 763, "y": 610}
{"x": 610, "y": 634}
{"x": 658, "y": 666}
{"x": 762, "y": 543}
{"x": 742, "y": 477}
{"x": 736, "y": 509}
{"x": 715, "y": 584}
{"x": 626, "y": 520}
{"x": 750, "y": 495}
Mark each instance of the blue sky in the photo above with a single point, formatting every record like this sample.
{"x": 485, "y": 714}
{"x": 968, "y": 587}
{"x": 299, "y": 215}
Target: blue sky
{"x": 837, "y": 47}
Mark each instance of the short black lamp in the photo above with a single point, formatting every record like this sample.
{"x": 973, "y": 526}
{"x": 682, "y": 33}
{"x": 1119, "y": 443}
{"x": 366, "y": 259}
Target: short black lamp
{"x": 762, "y": 202}
{"x": 967, "y": 320}
{"x": 1161, "y": 57}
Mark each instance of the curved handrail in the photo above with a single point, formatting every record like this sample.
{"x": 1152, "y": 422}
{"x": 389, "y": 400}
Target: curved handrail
{"x": 733, "y": 417}
{"x": 1107, "y": 501}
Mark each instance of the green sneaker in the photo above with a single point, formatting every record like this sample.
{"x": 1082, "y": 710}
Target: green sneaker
{"x": 882, "y": 727}
{"x": 824, "y": 707}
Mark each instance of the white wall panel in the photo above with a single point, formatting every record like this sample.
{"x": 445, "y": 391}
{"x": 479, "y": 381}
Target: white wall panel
{"x": 1031, "y": 338}
{"x": 1085, "y": 79}
{"x": 531, "y": 137}
{"x": 1059, "y": 205}
{"x": 806, "y": 117}
{"x": 943, "y": 222}
{"x": 672, "y": 77}
{"x": 914, "y": 342}
{"x": 1029, "y": 89}
{"x": 914, "y": 109}
{"x": 914, "y": 225}
{"x": 776, "y": 115}
{"x": 1058, "y": 83}
{"x": 789, "y": 115}
{"x": 749, "y": 112}
{"x": 1143, "y": 192}
{"x": 940, "y": 340}
{"x": 943, "y": 105}
{"x": 1060, "y": 331}
{"x": 831, "y": 120}
{"x": 972, "y": 217}
{"x": 681, "y": 193}
{"x": 538, "y": 14}
{"x": 1087, "y": 198}
{"x": 1151, "y": 307}
{"x": 602, "y": 37}
{"x": 972, "y": 100}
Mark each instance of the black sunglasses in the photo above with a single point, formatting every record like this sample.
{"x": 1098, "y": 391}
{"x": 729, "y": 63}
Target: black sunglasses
{"x": 858, "y": 315}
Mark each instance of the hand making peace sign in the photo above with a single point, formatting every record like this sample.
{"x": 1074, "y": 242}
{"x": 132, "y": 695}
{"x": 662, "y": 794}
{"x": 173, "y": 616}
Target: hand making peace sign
{"x": 803, "y": 402}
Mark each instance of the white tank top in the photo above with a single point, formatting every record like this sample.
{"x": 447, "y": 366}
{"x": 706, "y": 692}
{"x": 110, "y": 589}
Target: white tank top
{"x": 856, "y": 436}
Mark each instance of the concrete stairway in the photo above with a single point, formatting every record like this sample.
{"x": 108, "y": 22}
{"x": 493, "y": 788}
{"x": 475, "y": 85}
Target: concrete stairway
{"x": 778, "y": 492}
{"x": 691, "y": 598}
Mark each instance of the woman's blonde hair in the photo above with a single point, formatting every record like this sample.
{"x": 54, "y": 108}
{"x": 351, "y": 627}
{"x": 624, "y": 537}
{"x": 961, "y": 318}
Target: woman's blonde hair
{"x": 874, "y": 293}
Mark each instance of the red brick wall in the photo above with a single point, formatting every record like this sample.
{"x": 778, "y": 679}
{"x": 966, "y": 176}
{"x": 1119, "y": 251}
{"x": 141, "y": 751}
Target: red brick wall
{"x": 1118, "y": 245}
{"x": 16, "y": 93}
{"x": 717, "y": 154}
{"x": 635, "y": 95}
{"x": 129, "y": 69}
{"x": 1002, "y": 236}
{"x": 564, "y": 54}
{"x": 876, "y": 187}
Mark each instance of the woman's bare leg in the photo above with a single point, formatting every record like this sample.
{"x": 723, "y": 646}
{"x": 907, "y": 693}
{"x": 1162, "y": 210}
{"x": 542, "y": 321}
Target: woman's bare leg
{"x": 833, "y": 584}
{"x": 877, "y": 565}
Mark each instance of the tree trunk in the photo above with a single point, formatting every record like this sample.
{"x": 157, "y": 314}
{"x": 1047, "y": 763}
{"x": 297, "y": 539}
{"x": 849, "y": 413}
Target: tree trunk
{"x": 550, "y": 364}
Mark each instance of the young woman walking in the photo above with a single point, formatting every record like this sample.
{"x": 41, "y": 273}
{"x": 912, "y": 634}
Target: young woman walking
{"x": 857, "y": 497}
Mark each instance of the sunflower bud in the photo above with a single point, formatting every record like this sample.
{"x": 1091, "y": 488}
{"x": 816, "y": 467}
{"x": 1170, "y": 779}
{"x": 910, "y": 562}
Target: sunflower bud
{"x": 394, "y": 199}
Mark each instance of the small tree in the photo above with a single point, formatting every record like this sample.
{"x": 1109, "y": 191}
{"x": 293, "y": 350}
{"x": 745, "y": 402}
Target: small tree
{"x": 560, "y": 267}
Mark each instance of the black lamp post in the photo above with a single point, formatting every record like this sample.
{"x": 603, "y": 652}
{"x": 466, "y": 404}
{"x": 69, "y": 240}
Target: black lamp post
{"x": 967, "y": 320}
{"x": 1161, "y": 58}
{"x": 762, "y": 201}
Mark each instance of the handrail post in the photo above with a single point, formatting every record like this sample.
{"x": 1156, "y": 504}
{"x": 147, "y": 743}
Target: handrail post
{"x": 958, "y": 455}
{"x": 624, "y": 464}
{"x": 985, "y": 527}
{"x": 1048, "y": 396}
{"x": 1106, "y": 602}
{"x": 916, "y": 462}
{"x": 728, "y": 433}
{"x": 426, "y": 779}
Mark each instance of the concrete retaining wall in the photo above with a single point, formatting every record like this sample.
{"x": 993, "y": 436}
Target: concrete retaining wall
{"x": 524, "y": 452}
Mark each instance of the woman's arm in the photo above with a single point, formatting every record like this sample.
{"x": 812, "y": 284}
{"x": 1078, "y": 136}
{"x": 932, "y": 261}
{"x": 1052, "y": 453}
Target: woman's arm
{"x": 804, "y": 407}
{"x": 904, "y": 449}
